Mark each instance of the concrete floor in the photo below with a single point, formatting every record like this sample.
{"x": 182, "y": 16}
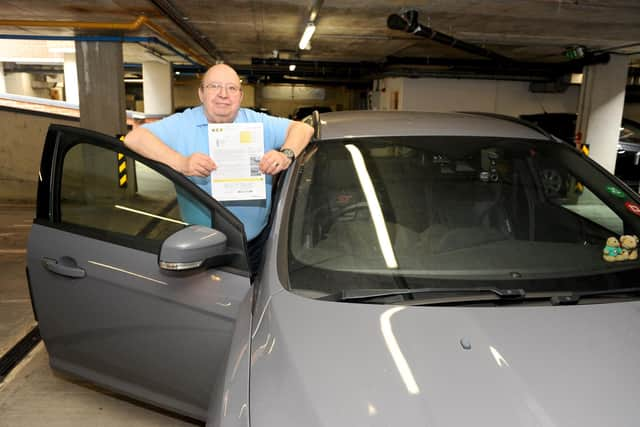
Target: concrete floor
{"x": 32, "y": 394}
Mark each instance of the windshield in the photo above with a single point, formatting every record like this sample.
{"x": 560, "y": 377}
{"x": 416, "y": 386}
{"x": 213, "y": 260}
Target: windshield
{"x": 454, "y": 211}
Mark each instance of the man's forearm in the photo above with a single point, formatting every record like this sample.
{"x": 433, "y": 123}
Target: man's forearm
{"x": 298, "y": 136}
{"x": 144, "y": 142}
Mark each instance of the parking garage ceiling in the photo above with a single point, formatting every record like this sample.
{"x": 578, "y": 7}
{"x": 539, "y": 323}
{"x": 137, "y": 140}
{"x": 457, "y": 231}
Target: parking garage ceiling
{"x": 353, "y": 40}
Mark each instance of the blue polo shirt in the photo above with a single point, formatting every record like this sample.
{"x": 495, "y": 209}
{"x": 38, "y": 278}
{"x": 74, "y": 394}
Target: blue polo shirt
{"x": 186, "y": 133}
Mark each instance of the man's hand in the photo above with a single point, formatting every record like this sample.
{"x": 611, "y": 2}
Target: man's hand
{"x": 274, "y": 162}
{"x": 197, "y": 164}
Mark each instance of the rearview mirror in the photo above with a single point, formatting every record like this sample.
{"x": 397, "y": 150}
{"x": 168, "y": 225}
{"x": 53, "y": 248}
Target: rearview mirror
{"x": 190, "y": 247}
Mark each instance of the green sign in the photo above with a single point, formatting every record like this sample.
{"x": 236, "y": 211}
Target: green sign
{"x": 616, "y": 191}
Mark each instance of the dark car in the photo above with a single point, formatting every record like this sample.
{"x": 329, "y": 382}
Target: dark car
{"x": 563, "y": 126}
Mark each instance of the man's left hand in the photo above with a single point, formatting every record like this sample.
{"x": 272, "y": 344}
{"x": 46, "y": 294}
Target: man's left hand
{"x": 274, "y": 162}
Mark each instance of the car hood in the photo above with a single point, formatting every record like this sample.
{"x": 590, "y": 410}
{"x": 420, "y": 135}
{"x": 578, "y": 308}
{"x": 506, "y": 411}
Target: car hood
{"x": 321, "y": 363}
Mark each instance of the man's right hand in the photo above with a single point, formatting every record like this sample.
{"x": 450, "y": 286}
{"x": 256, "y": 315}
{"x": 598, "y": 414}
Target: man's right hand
{"x": 198, "y": 164}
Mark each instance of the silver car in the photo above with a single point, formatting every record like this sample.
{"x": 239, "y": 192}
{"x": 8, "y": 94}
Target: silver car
{"x": 416, "y": 273}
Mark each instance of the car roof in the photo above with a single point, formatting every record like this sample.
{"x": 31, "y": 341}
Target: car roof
{"x": 412, "y": 123}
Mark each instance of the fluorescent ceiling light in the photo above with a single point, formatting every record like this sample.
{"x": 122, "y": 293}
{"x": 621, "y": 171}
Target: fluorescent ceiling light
{"x": 292, "y": 67}
{"x": 306, "y": 36}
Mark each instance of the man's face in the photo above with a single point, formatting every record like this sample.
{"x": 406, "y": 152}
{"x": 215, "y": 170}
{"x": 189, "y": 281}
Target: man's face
{"x": 220, "y": 94}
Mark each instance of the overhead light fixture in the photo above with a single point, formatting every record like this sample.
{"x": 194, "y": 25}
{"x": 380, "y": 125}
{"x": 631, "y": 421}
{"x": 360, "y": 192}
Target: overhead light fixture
{"x": 306, "y": 36}
{"x": 292, "y": 67}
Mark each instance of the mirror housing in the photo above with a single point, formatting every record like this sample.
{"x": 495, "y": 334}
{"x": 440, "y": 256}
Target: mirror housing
{"x": 191, "y": 247}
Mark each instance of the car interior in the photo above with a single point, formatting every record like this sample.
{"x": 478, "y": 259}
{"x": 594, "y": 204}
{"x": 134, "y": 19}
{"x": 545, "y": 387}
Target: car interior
{"x": 445, "y": 210}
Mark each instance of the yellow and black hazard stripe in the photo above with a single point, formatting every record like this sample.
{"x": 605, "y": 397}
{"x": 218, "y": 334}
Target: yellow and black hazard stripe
{"x": 122, "y": 167}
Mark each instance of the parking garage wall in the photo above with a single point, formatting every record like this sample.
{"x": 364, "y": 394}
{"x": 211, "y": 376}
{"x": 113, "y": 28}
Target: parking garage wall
{"x": 23, "y": 134}
{"x": 495, "y": 96}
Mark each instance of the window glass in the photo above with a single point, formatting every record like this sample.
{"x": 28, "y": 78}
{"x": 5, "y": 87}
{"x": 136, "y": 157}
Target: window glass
{"x": 421, "y": 211}
{"x": 148, "y": 207}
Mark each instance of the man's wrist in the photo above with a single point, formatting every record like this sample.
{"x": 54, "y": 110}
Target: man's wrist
{"x": 289, "y": 153}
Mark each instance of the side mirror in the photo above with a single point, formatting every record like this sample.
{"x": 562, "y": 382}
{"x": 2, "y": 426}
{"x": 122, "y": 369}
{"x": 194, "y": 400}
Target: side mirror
{"x": 190, "y": 247}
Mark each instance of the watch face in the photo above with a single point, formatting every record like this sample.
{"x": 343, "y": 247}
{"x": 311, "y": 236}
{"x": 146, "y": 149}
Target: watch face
{"x": 289, "y": 153}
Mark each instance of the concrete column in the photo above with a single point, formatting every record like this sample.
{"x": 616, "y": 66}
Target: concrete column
{"x": 101, "y": 86}
{"x": 71, "y": 79}
{"x": 102, "y": 108}
{"x": 157, "y": 87}
{"x": 600, "y": 108}
{"x": 3, "y": 86}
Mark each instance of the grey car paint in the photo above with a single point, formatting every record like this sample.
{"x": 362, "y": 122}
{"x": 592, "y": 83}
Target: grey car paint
{"x": 163, "y": 339}
{"x": 376, "y": 365}
{"x": 229, "y": 403}
{"x": 348, "y": 124}
{"x": 237, "y": 355}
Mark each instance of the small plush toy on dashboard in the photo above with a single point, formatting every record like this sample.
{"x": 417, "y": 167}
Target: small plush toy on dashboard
{"x": 623, "y": 249}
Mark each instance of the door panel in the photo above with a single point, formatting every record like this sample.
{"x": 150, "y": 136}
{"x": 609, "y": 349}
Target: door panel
{"x": 107, "y": 312}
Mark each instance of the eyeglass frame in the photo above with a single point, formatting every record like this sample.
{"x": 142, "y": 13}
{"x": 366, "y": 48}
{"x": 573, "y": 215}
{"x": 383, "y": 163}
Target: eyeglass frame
{"x": 217, "y": 87}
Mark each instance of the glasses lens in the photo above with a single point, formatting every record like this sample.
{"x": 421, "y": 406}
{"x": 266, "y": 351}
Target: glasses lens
{"x": 217, "y": 87}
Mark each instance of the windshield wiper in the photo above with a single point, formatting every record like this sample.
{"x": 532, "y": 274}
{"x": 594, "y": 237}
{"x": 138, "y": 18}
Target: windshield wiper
{"x": 369, "y": 294}
{"x": 574, "y": 297}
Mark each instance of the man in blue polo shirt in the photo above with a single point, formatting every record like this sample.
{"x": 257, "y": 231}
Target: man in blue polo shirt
{"x": 181, "y": 141}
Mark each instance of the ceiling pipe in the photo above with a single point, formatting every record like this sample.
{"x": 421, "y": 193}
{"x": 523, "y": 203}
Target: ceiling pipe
{"x": 117, "y": 26}
{"x": 172, "y": 12}
{"x": 408, "y": 21}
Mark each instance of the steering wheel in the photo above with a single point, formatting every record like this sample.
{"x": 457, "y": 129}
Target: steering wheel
{"x": 552, "y": 182}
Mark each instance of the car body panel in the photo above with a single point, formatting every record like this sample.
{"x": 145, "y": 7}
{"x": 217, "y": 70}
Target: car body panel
{"x": 386, "y": 123}
{"x": 208, "y": 344}
{"x": 367, "y": 364}
{"x": 109, "y": 314}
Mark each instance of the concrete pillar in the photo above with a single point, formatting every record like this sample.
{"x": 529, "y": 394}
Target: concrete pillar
{"x": 600, "y": 108}
{"x": 101, "y": 86}
{"x": 102, "y": 108}
{"x": 71, "y": 79}
{"x": 3, "y": 86}
{"x": 157, "y": 87}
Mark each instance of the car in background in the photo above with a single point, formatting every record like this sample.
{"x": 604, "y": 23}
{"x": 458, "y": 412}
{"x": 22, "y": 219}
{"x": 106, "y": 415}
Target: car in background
{"x": 563, "y": 126}
{"x": 302, "y": 112}
{"x": 416, "y": 272}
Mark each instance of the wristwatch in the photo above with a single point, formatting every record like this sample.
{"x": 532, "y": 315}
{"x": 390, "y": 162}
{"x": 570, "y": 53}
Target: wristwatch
{"x": 289, "y": 153}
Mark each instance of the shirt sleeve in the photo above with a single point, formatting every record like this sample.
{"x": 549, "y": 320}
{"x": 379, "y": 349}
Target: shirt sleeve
{"x": 168, "y": 129}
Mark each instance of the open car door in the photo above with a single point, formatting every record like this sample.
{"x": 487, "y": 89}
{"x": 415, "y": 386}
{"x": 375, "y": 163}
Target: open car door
{"x": 127, "y": 293}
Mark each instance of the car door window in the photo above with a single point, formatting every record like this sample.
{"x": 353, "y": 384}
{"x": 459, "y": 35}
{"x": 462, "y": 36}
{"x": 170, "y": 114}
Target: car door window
{"x": 149, "y": 207}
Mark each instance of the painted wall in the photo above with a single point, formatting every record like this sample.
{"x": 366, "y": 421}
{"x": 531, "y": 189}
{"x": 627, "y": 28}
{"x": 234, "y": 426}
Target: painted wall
{"x": 285, "y": 99}
{"x": 504, "y": 97}
{"x": 23, "y": 136}
{"x": 19, "y": 84}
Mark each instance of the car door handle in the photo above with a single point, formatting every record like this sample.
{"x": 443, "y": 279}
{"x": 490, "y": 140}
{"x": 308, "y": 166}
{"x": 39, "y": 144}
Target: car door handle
{"x": 67, "y": 267}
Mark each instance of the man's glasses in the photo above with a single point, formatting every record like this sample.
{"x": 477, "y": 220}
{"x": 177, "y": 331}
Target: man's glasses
{"x": 217, "y": 87}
